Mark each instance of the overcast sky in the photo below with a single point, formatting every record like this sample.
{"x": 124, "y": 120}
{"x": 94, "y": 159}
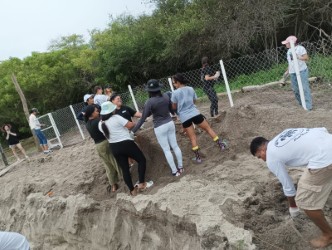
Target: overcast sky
{"x": 30, "y": 25}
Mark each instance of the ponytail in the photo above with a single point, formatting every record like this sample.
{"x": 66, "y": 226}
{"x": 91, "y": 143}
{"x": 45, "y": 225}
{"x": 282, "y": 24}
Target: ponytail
{"x": 103, "y": 125}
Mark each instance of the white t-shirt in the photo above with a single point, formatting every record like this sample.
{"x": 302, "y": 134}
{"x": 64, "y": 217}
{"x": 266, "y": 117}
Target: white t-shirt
{"x": 13, "y": 241}
{"x": 184, "y": 98}
{"x": 33, "y": 122}
{"x": 300, "y": 51}
{"x": 295, "y": 147}
{"x": 116, "y": 127}
{"x": 99, "y": 99}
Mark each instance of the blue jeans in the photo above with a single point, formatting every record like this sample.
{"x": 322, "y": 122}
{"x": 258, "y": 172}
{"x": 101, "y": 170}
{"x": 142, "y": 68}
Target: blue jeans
{"x": 41, "y": 137}
{"x": 306, "y": 88}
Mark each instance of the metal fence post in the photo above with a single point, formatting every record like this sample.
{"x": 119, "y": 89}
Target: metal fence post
{"x": 298, "y": 77}
{"x": 57, "y": 134}
{"x": 133, "y": 97}
{"x": 3, "y": 156}
{"x": 226, "y": 83}
{"x": 170, "y": 83}
{"x": 77, "y": 123}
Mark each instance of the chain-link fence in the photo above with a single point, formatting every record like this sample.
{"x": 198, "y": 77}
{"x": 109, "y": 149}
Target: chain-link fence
{"x": 249, "y": 72}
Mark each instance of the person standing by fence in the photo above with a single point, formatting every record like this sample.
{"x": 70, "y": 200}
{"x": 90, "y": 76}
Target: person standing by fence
{"x": 209, "y": 77}
{"x": 102, "y": 146}
{"x": 13, "y": 141}
{"x": 302, "y": 58}
{"x": 183, "y": 99}
{"x": 36, "y": 127}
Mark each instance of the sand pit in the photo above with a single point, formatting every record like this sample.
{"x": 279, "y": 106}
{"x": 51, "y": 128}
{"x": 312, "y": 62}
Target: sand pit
{"x": 230, "y": 201}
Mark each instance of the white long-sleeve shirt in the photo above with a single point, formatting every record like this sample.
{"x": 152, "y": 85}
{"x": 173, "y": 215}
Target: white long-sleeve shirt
{"x": 34, "y": 122}
{"x": 295, "y": 147}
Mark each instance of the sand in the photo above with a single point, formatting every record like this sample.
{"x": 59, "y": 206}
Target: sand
{"x": 230, "y": 201}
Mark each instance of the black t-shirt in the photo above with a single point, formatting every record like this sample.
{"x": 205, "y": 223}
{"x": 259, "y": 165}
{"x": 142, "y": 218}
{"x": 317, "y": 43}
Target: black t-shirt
{"x": 207, "y": 70}
{"x": 13, "y": 139}
{"x": 126, "y": 112}
{"x": 92, "y": 127}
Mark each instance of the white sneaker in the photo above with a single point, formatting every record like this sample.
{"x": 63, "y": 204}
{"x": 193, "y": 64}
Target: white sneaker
{"x": 176, "y": 174}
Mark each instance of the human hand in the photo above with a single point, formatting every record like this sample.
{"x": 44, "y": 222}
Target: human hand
{"x": 216, "y": 75}
{"x": 294, "y": 211}
{"x": 132, "y": 135}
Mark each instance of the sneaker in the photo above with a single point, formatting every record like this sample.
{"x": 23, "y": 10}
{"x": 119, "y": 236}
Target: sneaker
{"x": 176, "y": 174}
{"x": 197, "y": 160}
{"x": 180, "y": 170}
{"x": 223, "y": 145}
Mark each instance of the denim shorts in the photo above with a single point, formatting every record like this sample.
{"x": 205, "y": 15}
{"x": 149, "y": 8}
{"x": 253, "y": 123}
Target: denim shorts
{"x": 41, "y": 137}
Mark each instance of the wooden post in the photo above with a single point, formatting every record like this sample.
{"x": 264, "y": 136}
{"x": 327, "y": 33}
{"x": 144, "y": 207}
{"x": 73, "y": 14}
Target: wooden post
{"x": 25, "y": 107}
{"x": 3, "y": 156}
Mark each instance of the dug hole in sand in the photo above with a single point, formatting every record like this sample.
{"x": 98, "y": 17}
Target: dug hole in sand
{"x": 230, "y": 201}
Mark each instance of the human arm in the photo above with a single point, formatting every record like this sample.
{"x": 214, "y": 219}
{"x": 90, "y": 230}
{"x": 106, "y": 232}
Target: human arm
{"x": 129, "y": 125}
{"x": 303, "y": 57}
{"x": 280, "y": 171}
{"x": 146, "y": 114}
{"x": 174, "y": 106}
{"x": 214, "y": 77}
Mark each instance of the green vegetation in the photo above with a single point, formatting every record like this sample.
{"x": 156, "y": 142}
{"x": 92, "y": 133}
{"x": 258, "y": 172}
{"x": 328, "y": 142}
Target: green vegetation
{"x": 173, "y": 39}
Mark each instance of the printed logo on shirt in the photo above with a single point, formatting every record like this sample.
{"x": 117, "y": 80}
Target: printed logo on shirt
{"x": 123, "y": 111}
{"x": 290, "y": 135}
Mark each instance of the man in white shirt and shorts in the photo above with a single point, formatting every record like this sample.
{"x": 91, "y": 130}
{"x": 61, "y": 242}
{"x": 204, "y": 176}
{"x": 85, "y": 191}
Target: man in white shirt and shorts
{"x": 310, "y": 147}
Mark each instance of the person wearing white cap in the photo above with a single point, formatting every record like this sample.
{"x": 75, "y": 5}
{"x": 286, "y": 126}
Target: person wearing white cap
{"x": 115, "y": 128}
{"x": 302, "y": 58}
{"x": 88, "y": 100}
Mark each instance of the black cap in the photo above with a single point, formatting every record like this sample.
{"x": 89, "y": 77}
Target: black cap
{"x": 153, "y": 85}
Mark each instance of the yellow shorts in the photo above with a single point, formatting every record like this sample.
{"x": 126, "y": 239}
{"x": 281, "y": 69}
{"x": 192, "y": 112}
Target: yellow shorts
{"x": 314, "y": 188}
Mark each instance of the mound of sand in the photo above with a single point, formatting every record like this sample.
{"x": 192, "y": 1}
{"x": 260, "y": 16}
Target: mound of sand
{"x": 230, "y": 201}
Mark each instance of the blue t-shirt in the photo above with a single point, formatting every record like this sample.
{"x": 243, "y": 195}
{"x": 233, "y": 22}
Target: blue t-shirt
{"x": 184, "y": 98}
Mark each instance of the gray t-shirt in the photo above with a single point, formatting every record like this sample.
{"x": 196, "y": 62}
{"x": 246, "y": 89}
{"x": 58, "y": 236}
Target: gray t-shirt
{"x": 159, "y": 107}
{"x": 184, "y": 98}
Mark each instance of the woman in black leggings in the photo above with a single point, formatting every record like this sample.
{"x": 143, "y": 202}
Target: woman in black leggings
{"x": 115, "y": 129}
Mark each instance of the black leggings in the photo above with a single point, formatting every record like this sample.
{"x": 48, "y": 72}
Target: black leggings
{"x": 121, "y": 151}
{"x": 212, "y": 95}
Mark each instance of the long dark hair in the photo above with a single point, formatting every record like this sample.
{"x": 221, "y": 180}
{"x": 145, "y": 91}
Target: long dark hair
{"x": 103, "y": 125}
{"x": 89, "y": 111}
{"x": 180, "y": 78}
{"x": 156, "y": 93}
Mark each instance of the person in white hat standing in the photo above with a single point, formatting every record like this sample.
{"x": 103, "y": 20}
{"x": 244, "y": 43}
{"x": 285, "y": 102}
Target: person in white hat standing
{"x": 302, "y": 58}
{"x": 116, "y": 130}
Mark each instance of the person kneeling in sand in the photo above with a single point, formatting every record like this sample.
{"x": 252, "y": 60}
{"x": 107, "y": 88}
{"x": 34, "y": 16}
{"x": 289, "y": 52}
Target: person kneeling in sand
{"x": 310, "y": 147}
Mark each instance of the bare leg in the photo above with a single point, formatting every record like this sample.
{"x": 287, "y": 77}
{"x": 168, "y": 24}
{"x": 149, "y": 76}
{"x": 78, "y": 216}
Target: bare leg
{"x": 192, "y": 136}
{"x": 22, "y": 150}
{"x": 205, "y": 126}
{"x": 318, "y": 218}
{"x": 14, "y": 152}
